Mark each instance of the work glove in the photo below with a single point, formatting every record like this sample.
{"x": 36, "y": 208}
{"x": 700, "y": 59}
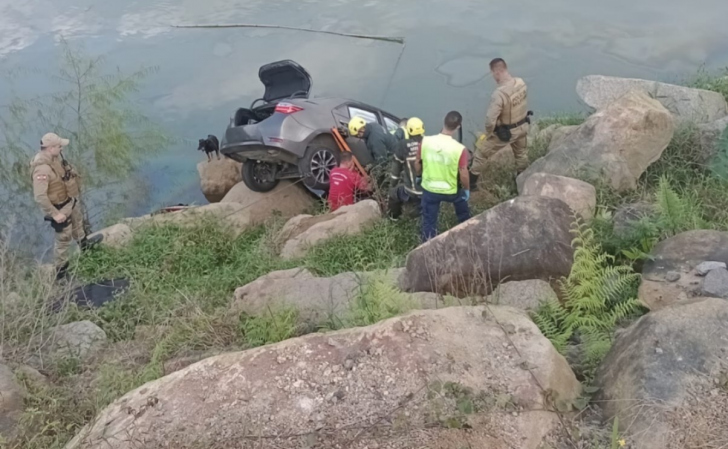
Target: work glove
{"x": 466, "y": 195}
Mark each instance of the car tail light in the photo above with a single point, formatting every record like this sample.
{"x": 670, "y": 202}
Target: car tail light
{"x": 287, "y": 108}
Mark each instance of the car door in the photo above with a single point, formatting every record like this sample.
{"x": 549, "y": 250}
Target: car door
{"x": 343, "y": 114}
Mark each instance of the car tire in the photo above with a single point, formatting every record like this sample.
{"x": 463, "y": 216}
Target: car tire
{"x": 253, "y": 176}
{"x": 320, "y": 158}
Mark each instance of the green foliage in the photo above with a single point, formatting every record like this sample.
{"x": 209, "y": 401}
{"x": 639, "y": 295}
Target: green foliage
{"x": 377, "y": 301}
{"x": 564, "y": 119}
{"x": 716, "y": 81}
{"x": 598, "y": 295}
{"x": 384, "y": 245}
{"x": 676, "y": 214}
{"x": 271, "y": 327}
{"x": 176, "y": 270}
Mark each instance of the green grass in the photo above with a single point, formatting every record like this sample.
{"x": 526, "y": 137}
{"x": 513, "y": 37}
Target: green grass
{"x": 716, "y": 81}
{"x": 563, "y": 119}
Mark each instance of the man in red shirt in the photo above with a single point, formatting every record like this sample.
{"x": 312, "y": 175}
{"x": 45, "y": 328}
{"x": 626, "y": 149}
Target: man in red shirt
{"x": 345, "y": 182}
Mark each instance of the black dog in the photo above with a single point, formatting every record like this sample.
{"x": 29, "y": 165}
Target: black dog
{"x": 209, "y": 146}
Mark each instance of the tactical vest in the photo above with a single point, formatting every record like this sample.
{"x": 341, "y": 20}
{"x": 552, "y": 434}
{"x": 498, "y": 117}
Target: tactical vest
{"x": 440, "y": 157}
{"x": 57, "y": 190}
{"x": 515, "y": 101}
{"x": 411, "y": 146}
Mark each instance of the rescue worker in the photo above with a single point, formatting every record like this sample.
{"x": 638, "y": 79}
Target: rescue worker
{"x": 346, "y": 183}
{"x": 506, "y": 122}
{"x": 401, "y": 132}
{"x": 408, "y": 189}
{"x": 56, "y": 190}
{"x": 440, "y": 160}
{"x": 380, "y": 143}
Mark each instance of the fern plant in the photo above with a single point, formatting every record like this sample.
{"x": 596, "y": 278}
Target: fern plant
{"x": 676, "y": 214}
{"x": 597, "y": 295}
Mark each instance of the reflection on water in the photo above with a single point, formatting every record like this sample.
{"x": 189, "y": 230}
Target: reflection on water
{"x": 205, "y": 74}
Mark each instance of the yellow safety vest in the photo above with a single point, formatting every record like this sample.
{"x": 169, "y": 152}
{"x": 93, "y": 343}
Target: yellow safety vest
{"x": 440, "y": 158}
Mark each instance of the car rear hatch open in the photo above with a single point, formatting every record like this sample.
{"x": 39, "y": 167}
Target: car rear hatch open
{"x": 284, "y": 79}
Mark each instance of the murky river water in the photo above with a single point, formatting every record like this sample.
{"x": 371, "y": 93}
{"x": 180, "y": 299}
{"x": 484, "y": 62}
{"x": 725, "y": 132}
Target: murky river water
{"x": 204, "y": 74}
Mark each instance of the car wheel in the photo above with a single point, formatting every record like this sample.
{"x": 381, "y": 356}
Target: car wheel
{"x": 317, "y": 165}
{"x": 259, "y": 176}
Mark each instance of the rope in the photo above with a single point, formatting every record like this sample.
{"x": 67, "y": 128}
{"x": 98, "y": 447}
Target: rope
{"x": 398, "y": 40}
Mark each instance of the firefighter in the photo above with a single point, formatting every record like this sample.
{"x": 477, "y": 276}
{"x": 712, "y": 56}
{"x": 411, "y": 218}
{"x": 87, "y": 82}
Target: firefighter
{"x": 407, "y": 184}
{"x": 380, "y": 143}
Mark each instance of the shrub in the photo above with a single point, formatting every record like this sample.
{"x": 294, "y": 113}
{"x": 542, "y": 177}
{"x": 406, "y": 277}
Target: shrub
{"x": 598, "y": 295}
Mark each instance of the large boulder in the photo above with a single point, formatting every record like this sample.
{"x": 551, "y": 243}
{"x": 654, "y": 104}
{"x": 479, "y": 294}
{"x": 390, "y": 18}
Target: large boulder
{"x": 680, "y": 255}
{"x": 319, "y": 299}
{"x": 579, "y": 195}
{"x": 240, "y": 210}
{"x": 560, "y": 134}
{"x": 11, "y": 402}
{"x": 615, "y": 145}
{"x": 552, "y": 135}
{"x": 217, "y": 177}
{"x": 445, "y": 379}
{"x": 686, "y": 104}
{"x": 116, "y": 236}
{"x": 663, "y": 375}
{"x": 524, "y": 238}
{"x": 524, "y": 295}
{"x": 304, "y": 231}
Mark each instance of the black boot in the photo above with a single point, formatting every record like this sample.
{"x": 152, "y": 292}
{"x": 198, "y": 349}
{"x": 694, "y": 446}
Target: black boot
{"x": 61, "y": 272}
{"x": 474, "y": 182}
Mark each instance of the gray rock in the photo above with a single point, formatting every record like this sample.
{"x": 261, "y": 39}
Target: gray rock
{"x": 710, "y": 136}
{"x": 706, "y": 267}
{"x": 401, "y": 364}
{"x": 523, "y": 295}
{"x": 614, "y": 145}
{"x": 672, "y": 276}
{"x": 116, "y": 236}
{"x": 11, "y": 402}
{"x": 686, "y": 104}
{"x": 304, "y": 231}
{"x": 626, "y": 217}
{"x": 579, "y": 195}
{"x": 80, "y": 339}
{"x": 662, "y": 363}
{"x": 560, "y": 134}
{"x": 681, "y": 254}
{"x": 525, "y": 238}
{"x": 319, "y": 299}
{"x": 218, "y": 177}
{"x": 716, "y": 284}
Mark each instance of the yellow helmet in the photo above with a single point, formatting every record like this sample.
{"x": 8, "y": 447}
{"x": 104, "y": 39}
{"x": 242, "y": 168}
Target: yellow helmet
{"x": 415, "y": 127}
{"x": 356, "y": 124}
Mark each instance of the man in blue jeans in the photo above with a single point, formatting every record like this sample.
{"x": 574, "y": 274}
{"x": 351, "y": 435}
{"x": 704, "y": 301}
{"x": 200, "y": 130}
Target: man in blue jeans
{"x": 440, "y": 160}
